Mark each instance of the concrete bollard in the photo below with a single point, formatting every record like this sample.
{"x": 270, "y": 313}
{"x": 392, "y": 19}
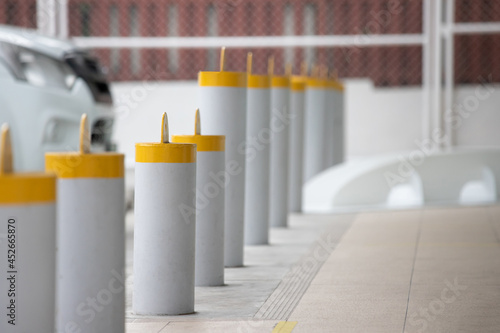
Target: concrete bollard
{"x": 328, "y": 154}
{"x": 338, "y": 122}
{"x": 258, "y": 158}
{"x": 90, "y": 238}
{"x": 315, "y": 130}
{"x": 27, "y": 246}
{"x": 280, "y": 127}
{"x": 334, "y": 142}
{"x": 223, "y": 102}
{"x": 209, "y": 267}
{"x": 165, "y": 227}
{"x": 297, "y": 100}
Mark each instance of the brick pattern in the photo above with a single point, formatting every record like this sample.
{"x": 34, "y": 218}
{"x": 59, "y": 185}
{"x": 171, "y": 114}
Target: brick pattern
{"x": 476, "y": 55}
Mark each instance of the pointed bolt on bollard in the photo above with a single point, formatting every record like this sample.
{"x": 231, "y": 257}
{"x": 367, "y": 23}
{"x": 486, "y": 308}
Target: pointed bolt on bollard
{"x": 222, "y": 58}
{"x": 84, "y": 135}
{"x": 6, "y": 165}
{"x": 270, "y": 66}
{"x": 197, "y": 123}
{"x": 165, "y": 136}
{"x": 249, "y": 63}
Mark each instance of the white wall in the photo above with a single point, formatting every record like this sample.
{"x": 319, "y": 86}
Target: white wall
{"x": 383, "y": 120}
{"x": 139, "y": 107}
{"x": 378, "y": 120}
{"x": 478, "y": 110}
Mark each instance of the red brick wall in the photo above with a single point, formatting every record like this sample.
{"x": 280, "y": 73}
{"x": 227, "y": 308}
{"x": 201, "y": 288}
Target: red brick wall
{"x": 476, "y": 56}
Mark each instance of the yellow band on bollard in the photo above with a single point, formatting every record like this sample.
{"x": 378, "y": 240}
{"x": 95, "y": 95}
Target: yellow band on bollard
{"x": 337, "y": 85}
{"x": 165, "y": 153}
{"x": 259, "y": 81}
{"x": 78, "y": 165}
{"x": 203, "y": 142}
{"x": 222, "y": 79}
{"x": 280, "y": 82}
{"x": 27, "y": 188}
{"x": 318, "y": 83}
{"x": 298, "y": 83}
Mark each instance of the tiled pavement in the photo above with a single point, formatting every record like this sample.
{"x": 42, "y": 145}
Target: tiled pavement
{"x": 429, "y": 270}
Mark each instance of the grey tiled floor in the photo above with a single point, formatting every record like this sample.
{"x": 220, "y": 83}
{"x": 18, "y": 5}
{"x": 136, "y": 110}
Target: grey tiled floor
{"x": 429, "y": 270}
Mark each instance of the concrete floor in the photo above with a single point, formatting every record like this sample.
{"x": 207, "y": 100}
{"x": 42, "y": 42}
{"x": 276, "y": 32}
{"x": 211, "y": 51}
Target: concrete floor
{"x": 429, "y": 270}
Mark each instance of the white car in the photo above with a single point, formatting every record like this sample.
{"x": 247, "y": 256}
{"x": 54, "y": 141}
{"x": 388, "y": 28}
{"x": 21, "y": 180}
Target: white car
{"x": 45, "y": 86}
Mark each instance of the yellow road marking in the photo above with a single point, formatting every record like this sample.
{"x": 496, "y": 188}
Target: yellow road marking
{"x": 284, "y": 327}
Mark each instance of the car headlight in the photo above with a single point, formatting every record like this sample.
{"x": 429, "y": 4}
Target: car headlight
{"x": 36, "y": 68}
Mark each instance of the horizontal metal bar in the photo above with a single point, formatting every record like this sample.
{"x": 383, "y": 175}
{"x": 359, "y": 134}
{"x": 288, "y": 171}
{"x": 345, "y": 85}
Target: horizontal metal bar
{"x": 249, "y": 42}
{"x": 476, "y": 28}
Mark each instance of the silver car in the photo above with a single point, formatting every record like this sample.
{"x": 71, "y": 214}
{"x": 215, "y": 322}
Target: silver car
{"x": 45, "y": 86}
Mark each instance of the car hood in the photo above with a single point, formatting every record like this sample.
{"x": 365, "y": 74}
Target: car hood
{"x": 31, "y": 39}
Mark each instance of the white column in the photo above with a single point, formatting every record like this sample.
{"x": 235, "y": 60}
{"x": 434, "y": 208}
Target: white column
{"x": 315, "y": 128}
{"x": 90, "y": 241}
{"x": 280, "y": 128}
{"x": 90, "y": 291}
{"x": 27, "y": 253}
{"x": 210, "y": 160}
{"x": 437, "y": 71}
{"x": 258, "y": 160}
{"x": 427, "y": 66}
{"x": 296, "y": 162}
{"x": 330, "y": 109}
{"x": 91, "y": 254}
{"x": 165, "y": 228}
{"x": 223, "y": 102}
{"x": 449, "y": 72}
{"x": 63, "y": 17}
{"x": 46, "y": 15}
{"x": 339, "y": 126}
{"x": 210, "y": 220}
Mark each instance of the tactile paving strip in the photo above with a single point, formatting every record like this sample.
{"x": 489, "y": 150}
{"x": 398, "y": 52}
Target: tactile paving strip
{"x": 294, "y": 284}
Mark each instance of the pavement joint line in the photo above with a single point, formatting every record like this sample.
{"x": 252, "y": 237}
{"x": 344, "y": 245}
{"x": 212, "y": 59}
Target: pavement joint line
{"x": 284, "y": 327}
{"x": 419, "y": 232}
{"x": 161, "y": 329}
{"x": 491, "y": 219}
